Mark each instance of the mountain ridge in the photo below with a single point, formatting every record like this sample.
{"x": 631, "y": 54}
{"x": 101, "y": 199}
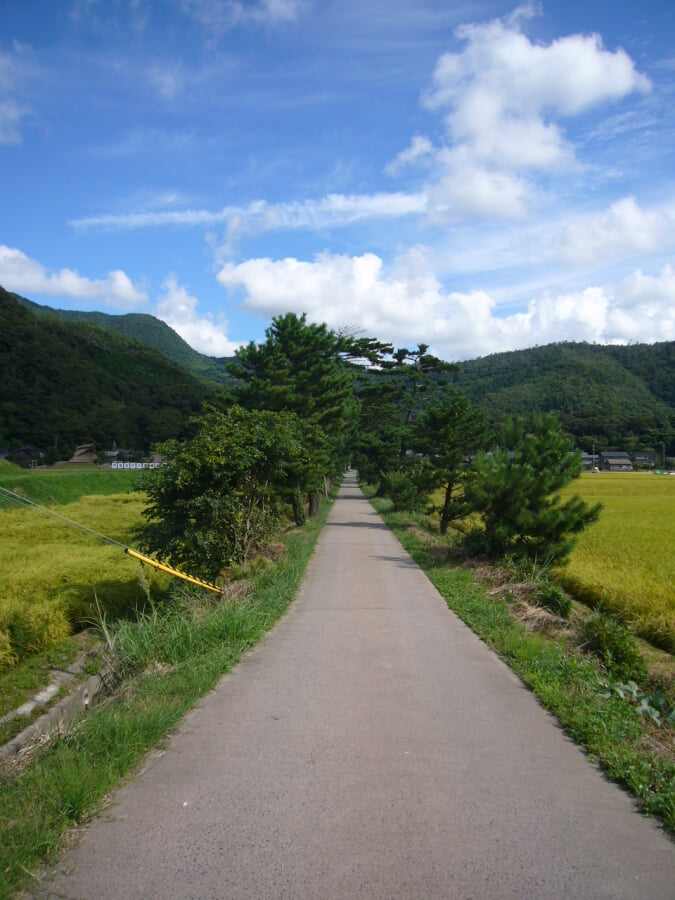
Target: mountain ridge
{"x": 607, "y": 396}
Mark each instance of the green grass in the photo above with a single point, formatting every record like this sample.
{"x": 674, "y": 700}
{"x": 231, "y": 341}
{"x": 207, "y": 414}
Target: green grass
{"x": 65, "y": 484}
{"x": 177, "y": 652}
{"x": 632, "y": 751}
{"x": 625, "y": 560}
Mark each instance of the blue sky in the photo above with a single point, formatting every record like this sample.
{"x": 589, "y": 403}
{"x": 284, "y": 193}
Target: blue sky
{"x": 479, "y": 176}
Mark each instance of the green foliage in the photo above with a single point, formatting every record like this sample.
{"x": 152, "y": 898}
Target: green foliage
{"x": 613, "y": 397}
{"x": 299, "y": 368}
{"x": 616, "y": 647}
{"x": 72, "y": 382}
{"x": 403, "y": 490}
{"x": 516, "y": 494}
{"x": 376, "y": 445}
{"x": 147, "y": 330}
{"x": 213, "y": 503}
{"x": 391, "y": 396}
{"x": 553, "y": 597}
{"x": 448, "y": 431}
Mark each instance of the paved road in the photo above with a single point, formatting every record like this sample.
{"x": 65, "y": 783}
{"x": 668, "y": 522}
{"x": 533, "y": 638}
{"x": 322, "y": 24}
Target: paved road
{"x": 372, "y": 747}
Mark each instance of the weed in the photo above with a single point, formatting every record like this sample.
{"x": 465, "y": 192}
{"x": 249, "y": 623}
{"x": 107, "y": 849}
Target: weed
{"x": 613, "y": 643}
{"x": 553, "y": 597}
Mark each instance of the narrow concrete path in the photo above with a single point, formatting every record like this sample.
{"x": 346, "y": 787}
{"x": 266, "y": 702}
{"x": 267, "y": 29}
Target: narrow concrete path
{"x": 372, "y": 747}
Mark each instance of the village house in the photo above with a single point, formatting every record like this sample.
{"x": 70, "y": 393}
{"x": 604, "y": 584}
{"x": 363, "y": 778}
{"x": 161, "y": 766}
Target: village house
{"x": 85, "y": 453}
{"x": 28, "y": 455}
{"x": 616, "y": 461}
{"x": 642, "y": 459}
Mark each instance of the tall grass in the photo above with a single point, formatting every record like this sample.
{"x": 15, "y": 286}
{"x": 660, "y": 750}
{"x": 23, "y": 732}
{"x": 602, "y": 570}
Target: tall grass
{"x": 625, "y": 561}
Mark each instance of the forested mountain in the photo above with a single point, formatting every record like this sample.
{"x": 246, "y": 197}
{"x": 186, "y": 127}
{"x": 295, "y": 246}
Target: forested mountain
{"x": 70, "y": 382}
{"x": 148, "y": 330}
{"x": 63, "y": 375}
{"x": 618, "y": 397}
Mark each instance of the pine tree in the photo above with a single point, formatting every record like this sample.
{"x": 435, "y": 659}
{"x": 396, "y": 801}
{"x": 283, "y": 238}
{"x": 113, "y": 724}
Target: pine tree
{"x": 516, "y": 492}
{"x": 448, "y": 432}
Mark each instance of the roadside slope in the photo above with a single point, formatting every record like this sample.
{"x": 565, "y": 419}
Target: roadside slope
{"x": 370, "y": 746}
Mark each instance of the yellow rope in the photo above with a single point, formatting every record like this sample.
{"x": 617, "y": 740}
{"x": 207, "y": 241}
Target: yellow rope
{"x": 20, "y": 500}
{"x": 178, "y": 574}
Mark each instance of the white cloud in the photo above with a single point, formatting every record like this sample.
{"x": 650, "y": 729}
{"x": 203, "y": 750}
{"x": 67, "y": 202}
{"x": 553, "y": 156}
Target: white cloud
{"x": 407, "y": 304}
{"x": 621, "y": 230}
{"x": 333, "y": 210}
{"x": 23, "y": 275}
{"x": 502, "y": 97}
{"x": 167, "y": 81}
{"x": 420, "y": 148}
{"x": 466, "y": 189}
{"x": 179, "y": 310}
{"x": 12, "y": 112}
{"x": 217, "y": 17}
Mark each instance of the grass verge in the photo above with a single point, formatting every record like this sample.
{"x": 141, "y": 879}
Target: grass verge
{"x": 178, "y": 653}
{"x": 632, "y": 750}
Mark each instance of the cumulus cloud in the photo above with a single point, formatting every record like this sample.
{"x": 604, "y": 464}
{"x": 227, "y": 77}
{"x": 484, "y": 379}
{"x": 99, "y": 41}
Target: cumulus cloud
{"x": 23, "y": 275}
{"x": 502, "y": 98}
{"x": 621, "y": 230}
{"x": 407, "y": 304}
{"x": 179, "y": 310}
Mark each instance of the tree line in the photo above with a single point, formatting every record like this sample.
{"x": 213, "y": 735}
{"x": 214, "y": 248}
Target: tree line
{"x": 308, "y": 402}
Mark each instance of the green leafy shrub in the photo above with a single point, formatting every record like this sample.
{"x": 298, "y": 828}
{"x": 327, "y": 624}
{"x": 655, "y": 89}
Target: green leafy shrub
{"x": 615, "y": 646}
{"x": 553, "y": 597}
{"x": 402, "y": 490}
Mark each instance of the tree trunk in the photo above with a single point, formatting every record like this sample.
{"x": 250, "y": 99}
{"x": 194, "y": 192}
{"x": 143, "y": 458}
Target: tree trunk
{"x": 314, "y": 502}
{"x": 445, "y": 515}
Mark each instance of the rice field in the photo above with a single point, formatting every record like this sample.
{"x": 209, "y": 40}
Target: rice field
{"x": 49, "y": 571}
{"x": 626, "y": 560}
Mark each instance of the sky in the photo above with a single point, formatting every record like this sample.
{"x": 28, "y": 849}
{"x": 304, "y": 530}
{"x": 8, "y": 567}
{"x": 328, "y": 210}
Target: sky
{"x": 475, "y": 175}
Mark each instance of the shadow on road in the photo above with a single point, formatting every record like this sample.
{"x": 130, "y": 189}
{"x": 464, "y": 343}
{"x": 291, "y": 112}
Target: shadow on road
{"x": 403, "y": 562}
{"x": 380, "y": 525}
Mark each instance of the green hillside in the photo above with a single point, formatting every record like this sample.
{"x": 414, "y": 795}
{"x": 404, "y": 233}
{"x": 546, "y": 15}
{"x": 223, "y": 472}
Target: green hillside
{"x": 613, "y": 397}
{"x": 148, "y": 330}
{"x": 79, "y": 376}
{"x": 70, "y": 382}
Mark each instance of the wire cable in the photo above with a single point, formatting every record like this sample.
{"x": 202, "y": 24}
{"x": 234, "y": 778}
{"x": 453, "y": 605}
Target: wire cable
{"x": 21, "y": 500}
